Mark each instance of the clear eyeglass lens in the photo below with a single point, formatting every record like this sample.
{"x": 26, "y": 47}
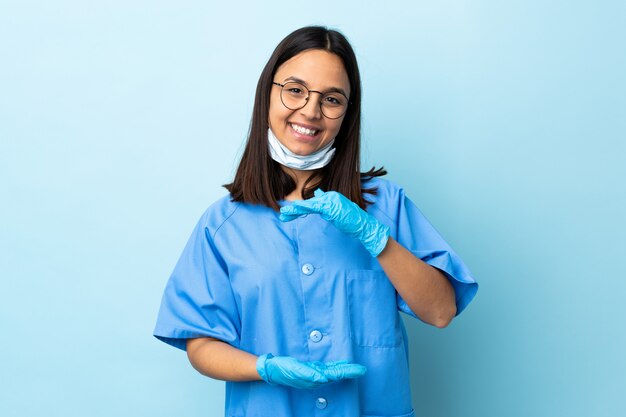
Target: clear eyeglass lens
{"x": 294, "y": 96}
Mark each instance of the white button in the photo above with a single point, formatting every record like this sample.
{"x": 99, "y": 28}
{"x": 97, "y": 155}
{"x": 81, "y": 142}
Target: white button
{"x": 307, "y": 269}
{"x": 315, "y": 336}
{"x": 321, "y": 403}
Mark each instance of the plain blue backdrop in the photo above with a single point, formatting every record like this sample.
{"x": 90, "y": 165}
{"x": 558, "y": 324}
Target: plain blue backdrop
{"x": 504, "y": 121}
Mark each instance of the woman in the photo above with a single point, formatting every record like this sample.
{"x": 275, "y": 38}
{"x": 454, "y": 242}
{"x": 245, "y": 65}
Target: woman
{"x": 289, "y": 287}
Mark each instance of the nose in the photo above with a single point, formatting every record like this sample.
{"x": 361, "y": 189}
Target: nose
{"x": 313, "y": 107}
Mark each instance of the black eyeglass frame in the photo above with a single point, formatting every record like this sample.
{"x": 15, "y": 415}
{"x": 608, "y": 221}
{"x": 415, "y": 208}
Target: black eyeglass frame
{"x": 306, "y": 100}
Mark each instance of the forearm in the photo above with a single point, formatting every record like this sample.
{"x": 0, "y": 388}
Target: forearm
{"x": 425, "y": 289}
{"x": 219, "y": 360}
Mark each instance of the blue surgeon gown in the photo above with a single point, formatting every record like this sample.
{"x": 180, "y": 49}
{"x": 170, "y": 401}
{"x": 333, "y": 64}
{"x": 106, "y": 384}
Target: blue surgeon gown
{"x": 305, "y": 289}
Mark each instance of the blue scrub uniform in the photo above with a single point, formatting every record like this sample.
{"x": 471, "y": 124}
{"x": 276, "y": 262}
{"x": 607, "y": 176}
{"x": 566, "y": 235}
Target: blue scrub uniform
{"x": 305, "y": 289}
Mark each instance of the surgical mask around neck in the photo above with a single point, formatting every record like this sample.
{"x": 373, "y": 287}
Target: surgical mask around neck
{"x": 284, "y": 156}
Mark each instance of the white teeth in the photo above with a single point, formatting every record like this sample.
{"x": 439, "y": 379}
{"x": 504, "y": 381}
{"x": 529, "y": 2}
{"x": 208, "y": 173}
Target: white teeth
{"x": 303, "y": 130}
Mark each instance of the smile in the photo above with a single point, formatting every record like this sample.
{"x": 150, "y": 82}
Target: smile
{"x": 303, "y": 130}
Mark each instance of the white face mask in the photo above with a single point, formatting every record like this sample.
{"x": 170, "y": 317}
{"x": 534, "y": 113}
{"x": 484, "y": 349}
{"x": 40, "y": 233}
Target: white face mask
{"x": 284, "y": 156}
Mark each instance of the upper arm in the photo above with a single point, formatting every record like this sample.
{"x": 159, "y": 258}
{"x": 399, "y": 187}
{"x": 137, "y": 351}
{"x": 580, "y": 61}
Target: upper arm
{"x": 194, "y": 344}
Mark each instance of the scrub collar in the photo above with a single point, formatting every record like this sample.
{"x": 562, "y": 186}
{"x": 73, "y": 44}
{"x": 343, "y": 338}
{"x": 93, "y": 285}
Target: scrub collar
{"x": 284, "y": 156}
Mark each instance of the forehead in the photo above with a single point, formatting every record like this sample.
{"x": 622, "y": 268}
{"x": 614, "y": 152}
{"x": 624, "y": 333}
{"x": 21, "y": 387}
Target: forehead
{"x": 318, "y": 68}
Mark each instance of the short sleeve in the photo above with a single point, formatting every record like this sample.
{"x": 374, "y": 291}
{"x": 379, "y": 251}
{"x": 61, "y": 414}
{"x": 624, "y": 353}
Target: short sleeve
{"x": 415, "y": 233}
{"x": 198, "y": 300}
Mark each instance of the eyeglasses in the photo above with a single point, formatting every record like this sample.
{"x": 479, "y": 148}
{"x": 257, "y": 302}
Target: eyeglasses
{"x": 295, "y": 96}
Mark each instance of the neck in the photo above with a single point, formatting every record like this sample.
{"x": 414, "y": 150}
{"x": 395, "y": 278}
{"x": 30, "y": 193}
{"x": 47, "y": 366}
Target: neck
{"x": 300, "y": 177}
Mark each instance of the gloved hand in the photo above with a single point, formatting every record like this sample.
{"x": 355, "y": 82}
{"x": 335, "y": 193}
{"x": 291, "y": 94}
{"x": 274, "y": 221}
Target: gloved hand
{"x": 285, "y": 370}
{"x": 338, "y": 370}
{"x": 346, "y": 215}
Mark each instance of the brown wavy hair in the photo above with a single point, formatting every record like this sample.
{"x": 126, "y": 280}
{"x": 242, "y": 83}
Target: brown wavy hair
{"x": 259, "y": 179}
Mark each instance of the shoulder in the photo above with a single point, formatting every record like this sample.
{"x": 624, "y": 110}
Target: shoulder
{"x": 388, "y": 193}
{"x": 226, "y": 214}
{"x": 217, "y": 214}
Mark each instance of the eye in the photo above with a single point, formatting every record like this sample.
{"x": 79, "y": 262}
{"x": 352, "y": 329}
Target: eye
{"x": 333, "y": 100}
{"x": 295, "y": 90}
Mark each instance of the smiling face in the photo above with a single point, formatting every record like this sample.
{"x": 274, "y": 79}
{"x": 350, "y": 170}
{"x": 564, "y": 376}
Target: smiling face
{"x": 307, "y": 130}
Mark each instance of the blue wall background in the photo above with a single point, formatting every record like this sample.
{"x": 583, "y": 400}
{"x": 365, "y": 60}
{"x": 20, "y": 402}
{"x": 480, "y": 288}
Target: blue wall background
{"x": 505, "y": 121}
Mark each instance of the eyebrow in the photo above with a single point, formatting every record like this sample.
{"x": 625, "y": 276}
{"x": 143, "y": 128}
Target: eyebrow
{"x": 330, "y": 90}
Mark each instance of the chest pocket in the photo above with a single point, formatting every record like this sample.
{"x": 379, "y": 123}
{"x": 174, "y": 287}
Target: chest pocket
{"x": 374, "y": 318}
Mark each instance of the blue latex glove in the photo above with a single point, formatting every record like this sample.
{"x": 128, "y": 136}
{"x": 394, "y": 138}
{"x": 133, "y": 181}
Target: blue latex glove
{"x": 285, "y": 370}
{"x": 336, "y": 371}
{"x": 346, "y": 215}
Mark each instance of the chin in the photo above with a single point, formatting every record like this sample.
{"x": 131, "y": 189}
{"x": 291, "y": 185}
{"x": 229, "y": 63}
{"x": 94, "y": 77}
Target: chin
{"x": 302, "y": 151}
